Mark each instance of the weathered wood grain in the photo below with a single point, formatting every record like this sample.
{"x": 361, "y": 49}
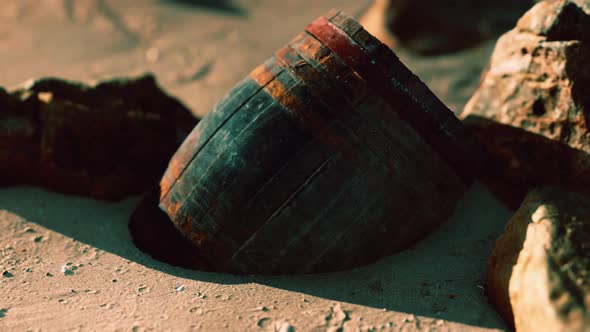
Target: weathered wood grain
{"x": 432, "y": 119}
{"x": 313, "y": 167}
{"x": 199, "y": 137}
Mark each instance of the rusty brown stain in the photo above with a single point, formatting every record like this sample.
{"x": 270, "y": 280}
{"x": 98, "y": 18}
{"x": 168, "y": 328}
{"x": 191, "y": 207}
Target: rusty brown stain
{"x": 306, "y": 44}
{"x": 351, "y": 53}
{"x": 175, "y": 168}
{"x": 262, "y": 75}
{"x": 298, "y": 39}
{"x": 170, "y": 207}
{"x": 305, "y": 113}
{"x": 283, "y": 53}
{"x": 199, "y": 238}
{"x": 181, "y": 158}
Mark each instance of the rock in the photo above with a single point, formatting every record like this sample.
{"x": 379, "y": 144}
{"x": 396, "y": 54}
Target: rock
{"x": 19, "y": 139}
{"x": 538, "y": 275}
{"x": 105, "y": 141}
{"x": 538, "y": 80}
{"x": 520, "y": 160}
{"x": 435, "y": 26}
{"x": 557, "y": 21}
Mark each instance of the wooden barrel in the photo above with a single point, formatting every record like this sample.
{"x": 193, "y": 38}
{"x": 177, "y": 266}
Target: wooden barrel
{"x": 328, "y": 156}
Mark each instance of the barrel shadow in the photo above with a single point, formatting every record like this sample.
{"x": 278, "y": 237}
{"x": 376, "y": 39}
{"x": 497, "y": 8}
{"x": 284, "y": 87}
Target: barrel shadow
{"x": 440, "y": 277}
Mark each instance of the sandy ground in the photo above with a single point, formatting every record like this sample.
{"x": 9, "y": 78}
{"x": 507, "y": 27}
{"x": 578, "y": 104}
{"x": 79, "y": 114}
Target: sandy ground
{"x": 69, "y": 263}
{"x": 75, "y": 268}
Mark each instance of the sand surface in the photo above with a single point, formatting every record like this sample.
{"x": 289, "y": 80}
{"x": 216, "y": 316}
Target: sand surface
{"x": 69, "y": 263}
{"x": 73, "y": 266}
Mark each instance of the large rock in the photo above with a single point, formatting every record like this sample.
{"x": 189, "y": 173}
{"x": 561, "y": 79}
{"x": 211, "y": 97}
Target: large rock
{"x": 538, "y": 80}
{"x": 105, "y": 141}
{"x": 538, "y": 275}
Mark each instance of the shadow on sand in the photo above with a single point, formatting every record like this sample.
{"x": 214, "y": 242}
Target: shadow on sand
{"x": 440, "y": 277}
{"x": 222, "y": 6}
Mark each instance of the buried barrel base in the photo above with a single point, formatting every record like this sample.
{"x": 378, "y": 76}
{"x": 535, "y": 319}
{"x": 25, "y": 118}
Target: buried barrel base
{"x": 154, "y": 234}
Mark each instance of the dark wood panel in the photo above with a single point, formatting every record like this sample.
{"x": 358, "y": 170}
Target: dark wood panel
{"x": 220, "y": 114}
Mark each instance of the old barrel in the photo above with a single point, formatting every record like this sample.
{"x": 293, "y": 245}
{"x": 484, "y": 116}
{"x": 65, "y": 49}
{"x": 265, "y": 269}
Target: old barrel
{"x": 328, "y": 156}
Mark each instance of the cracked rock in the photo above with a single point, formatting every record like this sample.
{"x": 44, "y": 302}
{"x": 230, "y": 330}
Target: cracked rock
{"x": 538, "y": 81}
{"x": 105, "y": 141}
{"x": 538, "y": 275}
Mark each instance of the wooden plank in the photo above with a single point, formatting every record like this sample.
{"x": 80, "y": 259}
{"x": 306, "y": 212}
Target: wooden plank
{"x": 318, "y": 84}
{"x": 352, "y": 87}
{"x": 208, "y": 127}
{"x": 402, "y": 150}
{"x": 215, "y": 174}
{"x": 378, "y": 127}
{"x": 468, "y": 151}
{"x": 306, "y": 109}
{"x": 210, "y": 152}
{"x": 435, "y": 133}
{"x": 284, "y": 183}
{"x": 351, "y": 53}
{"x": 264, "y": 247}
{"x": 220, "y": 164}
{"x": 401, "y": 76}
{"x": 383, "y": 55}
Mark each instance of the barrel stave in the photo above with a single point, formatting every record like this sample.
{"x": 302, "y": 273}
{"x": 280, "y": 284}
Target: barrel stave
{"x": 330, "y": 155}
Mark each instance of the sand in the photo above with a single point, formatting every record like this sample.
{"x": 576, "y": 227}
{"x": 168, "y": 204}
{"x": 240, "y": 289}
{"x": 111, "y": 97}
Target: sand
{"x": 69, "y": 263}
{"x": 73, "y": 266}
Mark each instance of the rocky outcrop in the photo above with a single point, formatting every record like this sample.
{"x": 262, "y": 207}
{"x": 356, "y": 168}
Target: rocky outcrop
{"x": 538, "y": 275}
{"x": 538, "y": 80}
{"x": 104, "y": 141}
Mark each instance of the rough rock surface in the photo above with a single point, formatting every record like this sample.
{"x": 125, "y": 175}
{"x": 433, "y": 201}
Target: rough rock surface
{"x": 105, "y": 141}
{"x": 539, "y": 272}
{"x": 539, "y": 80}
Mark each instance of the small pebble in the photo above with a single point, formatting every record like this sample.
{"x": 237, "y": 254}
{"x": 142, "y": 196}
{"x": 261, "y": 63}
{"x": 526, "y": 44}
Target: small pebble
{"x": 66, "y": 270}
{"x": 7, "y": 274}
{"x": 152, "y": 54}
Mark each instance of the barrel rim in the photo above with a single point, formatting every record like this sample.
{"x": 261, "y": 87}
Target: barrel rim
{"x": 467, "y": 156}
